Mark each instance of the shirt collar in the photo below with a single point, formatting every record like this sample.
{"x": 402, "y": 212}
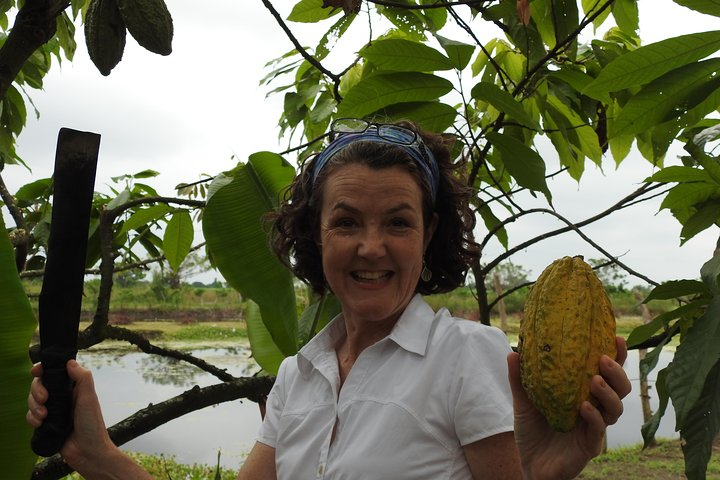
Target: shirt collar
{"x": 411, "y": 332}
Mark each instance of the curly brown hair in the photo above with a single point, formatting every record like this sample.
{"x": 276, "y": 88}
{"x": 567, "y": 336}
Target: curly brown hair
{"x": 295, "y": 225}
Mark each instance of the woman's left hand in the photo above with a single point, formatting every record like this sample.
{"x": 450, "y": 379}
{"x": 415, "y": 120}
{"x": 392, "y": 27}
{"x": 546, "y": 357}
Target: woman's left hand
{"x": 545, "y": 453}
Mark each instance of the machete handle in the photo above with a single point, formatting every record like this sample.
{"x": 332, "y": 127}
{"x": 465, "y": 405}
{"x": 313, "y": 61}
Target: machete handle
{"x": 49, "y": 438}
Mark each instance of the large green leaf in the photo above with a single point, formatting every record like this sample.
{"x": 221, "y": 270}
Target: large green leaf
{"x": 677, "y": 173}
{"x": 711, "y": 7}
{"x": 686, "y": 195}
{"x": 626, "y": 16}
{"x": 145, "y": 216}
{"x": 504, "y": 102}
{"x": 262, "y": 345}
{"x": 18, "y": 323}
{"x": 317, "y": 315}
{"x": 706, "y": 216}
{"x": 524, "y": 164}
{"x": 670, "y": 98}
{"x": 432, "y": 116}
{"x": 701, "y": 426}
{"x": 311, "y": 11}
{"x": 237, "y": 240}
{"x": 400, "y": 55}
{"x": 378, "y": 91}
{"x": 694, "y": 357}
{"x": 650, "y": 427}
{"x": 566, "y": 21}
{"x": 178, "y": 238}
{"x": 459, "y": 53}
{"x": 647, "y": 63}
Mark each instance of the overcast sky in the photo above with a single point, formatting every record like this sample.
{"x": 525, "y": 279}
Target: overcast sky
{"x": 190, "y": 113}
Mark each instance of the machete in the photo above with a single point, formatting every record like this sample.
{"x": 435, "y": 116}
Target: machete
{"x": 61, "y": 294}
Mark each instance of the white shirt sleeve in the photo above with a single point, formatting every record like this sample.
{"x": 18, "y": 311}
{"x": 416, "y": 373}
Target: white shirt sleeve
{"x": 274, "y": 407}
{"x": 480, "y": 391}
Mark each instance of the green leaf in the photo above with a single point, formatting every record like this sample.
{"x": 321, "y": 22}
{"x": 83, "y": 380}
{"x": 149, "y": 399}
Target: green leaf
{"x": 650, "y": 427}
{"x": 504, "y": 102}
{"x": 524, "y": 164}
{"x": 459, "y": 53}
{"x": 701, "y": 425}
{"x": 711, "y": 7}
{"x": 677, "y": 173}
{"x": 379, "y": 91}
{"x": 237, "y": 240}
{"x": 33, "y": 191}
{"x": 670, "y": 97}
{"x": 262, "y": 345}
{"x": 432, "y": 116}
{"x": 145, "y": 216}
{"x": 147, "y": 173}
{"x": 492, "y": 222}
{"x": 706, "y": 216}
{"x": 686, "y": 195}
{"x": 178, "y": 238}
{"x": 676, "y": 289}
{"x": 647, "y": 63}
{"x": 317, "y": 315}
{"x": 566, "y": 21}
{"x": 400, "y": 55}
{"x": 16, "y": 328}
{"x": 709, "y": 273}
{"x": 643, "y": 332}
{"x": 311, "y": 11}
{"x": 694, "y": 357}
{"x": 626, "y": 16}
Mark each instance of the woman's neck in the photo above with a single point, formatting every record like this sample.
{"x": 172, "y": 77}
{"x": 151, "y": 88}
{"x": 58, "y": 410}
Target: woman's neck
{"x": 359, "y": 335}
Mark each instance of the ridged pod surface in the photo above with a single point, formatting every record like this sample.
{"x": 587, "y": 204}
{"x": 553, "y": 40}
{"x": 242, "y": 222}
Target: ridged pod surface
{"x": 104, "y": 34}
{"x": 150, "y": 24}
{"x": 568, "y": 324}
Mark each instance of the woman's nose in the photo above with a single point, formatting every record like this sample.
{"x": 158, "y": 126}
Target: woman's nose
{"x": 372, "y": 243}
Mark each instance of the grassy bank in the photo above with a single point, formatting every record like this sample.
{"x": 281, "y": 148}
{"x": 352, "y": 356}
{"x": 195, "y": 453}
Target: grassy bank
{"x": 663, "y": 462}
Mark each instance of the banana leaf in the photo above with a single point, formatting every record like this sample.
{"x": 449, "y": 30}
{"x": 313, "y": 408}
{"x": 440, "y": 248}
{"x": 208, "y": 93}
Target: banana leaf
{"x": 16, "y": 328}
{"x": 238, "y": 244}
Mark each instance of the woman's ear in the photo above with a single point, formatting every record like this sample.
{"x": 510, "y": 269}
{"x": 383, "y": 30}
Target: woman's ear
{"x": 430, "y": 230}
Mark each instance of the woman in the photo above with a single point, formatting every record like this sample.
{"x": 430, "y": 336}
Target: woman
{"x": 390, "y": 389}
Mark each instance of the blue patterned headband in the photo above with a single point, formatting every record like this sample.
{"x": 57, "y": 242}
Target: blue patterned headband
{"x": 349, "y": 131}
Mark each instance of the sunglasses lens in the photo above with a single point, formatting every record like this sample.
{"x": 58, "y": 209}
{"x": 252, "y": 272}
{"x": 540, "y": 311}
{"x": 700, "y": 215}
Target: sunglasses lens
{"x": 397, "y": 134}
{"x": 349, "y": 125}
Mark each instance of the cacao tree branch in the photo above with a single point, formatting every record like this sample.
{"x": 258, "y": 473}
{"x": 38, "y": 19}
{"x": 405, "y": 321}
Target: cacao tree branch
{"x": 111, "y": 332}
{"x": 302, "y": 51}
{"x": 155, "y": 415}
{"x": 21, "y": 238}
{"x": 34, "y": 25}
{"x": 115, "y": 212}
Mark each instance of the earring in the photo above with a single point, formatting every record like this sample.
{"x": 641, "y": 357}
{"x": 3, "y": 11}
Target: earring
{"x": 426, "y": 274}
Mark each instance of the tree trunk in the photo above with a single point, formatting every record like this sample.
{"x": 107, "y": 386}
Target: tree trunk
{"x": 501, "y": 303}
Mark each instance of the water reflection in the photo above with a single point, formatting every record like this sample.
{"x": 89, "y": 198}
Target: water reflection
{"x": 128, "y": 382}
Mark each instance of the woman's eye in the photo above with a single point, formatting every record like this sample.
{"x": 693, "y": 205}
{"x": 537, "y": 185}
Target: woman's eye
{"x": 399, "y": 223}
{"x": 344, "y": 223}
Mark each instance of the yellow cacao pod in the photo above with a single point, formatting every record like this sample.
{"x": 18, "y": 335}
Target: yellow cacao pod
{"x": 150, "y": 24}
{"x": 568, "y": 324}
{"x": 104, "y": 34}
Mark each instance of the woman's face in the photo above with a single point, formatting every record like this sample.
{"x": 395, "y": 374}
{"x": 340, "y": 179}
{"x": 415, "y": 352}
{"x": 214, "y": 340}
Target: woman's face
{"x": 372, "y": 239}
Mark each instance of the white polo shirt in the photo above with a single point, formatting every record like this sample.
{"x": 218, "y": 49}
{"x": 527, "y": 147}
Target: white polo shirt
{"x": 408, "y": 405}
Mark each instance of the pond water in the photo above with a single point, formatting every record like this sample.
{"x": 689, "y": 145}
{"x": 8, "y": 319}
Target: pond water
{"x": 129, "y": 381}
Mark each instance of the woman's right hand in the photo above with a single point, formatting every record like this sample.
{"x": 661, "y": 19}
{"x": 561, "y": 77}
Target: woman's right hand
{"x": 89, "y": 449}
